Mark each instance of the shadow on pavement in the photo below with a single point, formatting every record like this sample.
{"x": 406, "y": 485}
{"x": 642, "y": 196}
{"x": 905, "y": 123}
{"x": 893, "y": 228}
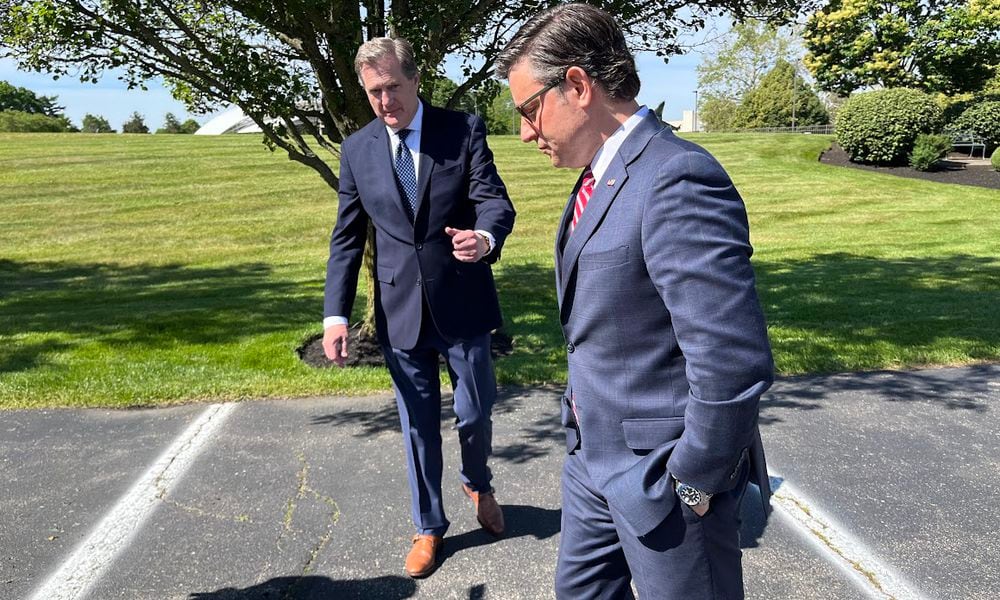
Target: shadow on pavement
{"x": 536, "y": 439}
{"x": 810, "y": 393}
{"x": 521, "y": 521}
{"x": 388, "y": 587}
{"x": 753, "y": 523}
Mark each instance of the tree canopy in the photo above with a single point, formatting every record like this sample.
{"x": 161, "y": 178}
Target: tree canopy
{"x": 171, "y": 124}
{"x": 782, "y": 99}
{"x": 95, "y": 124}
{"x": 737, "y": 62}
{"x": 135, "y": 124}
{"x": 26, "y": 101}
{"x": 948, "y": 46}
{"x": 289, "y": 65}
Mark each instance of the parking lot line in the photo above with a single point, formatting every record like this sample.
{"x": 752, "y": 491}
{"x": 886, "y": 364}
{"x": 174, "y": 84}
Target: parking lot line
{"x": 837, "y": 546}
{"x": 84, "y": 566}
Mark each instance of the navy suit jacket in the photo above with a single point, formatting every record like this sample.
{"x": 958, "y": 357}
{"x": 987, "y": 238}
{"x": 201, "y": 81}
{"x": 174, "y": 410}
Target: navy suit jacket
{"x": 667, "y": 345}
{"x": 458, "y": 186}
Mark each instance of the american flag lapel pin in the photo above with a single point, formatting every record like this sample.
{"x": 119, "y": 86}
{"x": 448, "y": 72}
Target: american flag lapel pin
{"x": 611, "y": 182}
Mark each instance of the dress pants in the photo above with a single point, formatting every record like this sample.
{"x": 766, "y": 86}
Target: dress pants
{"x": 686, "y": 557}
{"x": 415, "y": 376}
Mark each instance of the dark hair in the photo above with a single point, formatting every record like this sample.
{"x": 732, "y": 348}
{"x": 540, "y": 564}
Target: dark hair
{"x": 574, "y": 35}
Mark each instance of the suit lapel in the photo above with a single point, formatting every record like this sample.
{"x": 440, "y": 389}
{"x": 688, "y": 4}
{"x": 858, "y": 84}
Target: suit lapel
{"x": 381, "y": 154}
{"x": 605, "y": 192}
{"x": 428, "y": 150}
{"x": 562, "y": 234}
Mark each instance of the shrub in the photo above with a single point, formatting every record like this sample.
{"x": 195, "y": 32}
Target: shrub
{"x": 982, "y": 120}
{"x": 928, "y": 149}
{"x": 882, "y": 126}
{"x": 995, "y": 160}
{"x": 22, "y": 122}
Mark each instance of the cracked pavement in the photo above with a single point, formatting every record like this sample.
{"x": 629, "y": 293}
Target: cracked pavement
{"x": 307, "y": 499}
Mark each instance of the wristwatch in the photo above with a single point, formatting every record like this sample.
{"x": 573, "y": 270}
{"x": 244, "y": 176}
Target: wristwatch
{"x": 691, "y": 496}
{"x": 489, "y": 246}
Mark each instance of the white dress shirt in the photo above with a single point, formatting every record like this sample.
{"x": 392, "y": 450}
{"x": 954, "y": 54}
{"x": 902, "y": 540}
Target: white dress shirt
{"x": 602, "y": 160}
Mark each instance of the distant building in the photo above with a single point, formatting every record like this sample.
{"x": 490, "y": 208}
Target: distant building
{"x": 685, "y": 124}
{"x": 231, "y": 120}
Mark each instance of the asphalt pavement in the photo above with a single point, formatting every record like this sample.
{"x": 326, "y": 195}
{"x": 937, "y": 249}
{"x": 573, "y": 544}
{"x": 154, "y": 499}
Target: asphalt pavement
{"x": 886, "y": 487}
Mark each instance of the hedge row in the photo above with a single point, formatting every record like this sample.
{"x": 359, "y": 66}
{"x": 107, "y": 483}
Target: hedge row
{"x": 882, "y": 127}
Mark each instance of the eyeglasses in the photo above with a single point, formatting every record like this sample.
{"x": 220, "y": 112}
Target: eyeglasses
{"x": 530, "y": 116}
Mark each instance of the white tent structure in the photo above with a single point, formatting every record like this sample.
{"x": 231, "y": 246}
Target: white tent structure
{"x": 231, "y": 120}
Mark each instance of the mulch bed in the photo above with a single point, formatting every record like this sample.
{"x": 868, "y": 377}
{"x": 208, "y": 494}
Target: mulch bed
{"x": 946, "y": 171}
{"x": 366, "y": 352}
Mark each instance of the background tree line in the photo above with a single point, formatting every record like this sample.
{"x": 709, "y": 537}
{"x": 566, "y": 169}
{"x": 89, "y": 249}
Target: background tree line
{"x": 22, "y": 110}
{"x": 758, "y": 75}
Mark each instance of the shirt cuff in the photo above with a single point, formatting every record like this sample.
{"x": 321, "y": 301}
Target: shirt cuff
{"x": 331, "y": 321}
{"x": 489, "y": 237}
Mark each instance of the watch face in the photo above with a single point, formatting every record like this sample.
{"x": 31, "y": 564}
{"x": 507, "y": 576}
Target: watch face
{"x": 688, "y": 495}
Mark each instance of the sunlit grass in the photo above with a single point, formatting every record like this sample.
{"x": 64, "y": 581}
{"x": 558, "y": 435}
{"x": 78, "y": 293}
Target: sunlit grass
{"x": 156, "y": 269}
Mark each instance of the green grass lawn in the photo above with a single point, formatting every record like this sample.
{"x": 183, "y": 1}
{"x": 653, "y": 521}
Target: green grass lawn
{"x": 154, "y": 269}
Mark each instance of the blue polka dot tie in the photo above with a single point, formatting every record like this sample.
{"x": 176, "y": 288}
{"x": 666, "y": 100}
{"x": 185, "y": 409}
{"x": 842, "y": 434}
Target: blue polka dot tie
{"x": 406, "y": 175}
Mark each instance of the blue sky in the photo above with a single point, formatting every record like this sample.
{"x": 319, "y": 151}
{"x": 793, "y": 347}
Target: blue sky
{"x": 674, "y": 83}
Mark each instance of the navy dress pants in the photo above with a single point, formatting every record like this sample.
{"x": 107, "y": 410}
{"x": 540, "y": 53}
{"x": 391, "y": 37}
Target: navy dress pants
{"x": 686, "y": 557}
{"x": 415, "y": 376}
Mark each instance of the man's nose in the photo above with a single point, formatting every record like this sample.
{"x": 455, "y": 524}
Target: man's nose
{"x": 385, "y": 97}
{"x": 528, "y": 133}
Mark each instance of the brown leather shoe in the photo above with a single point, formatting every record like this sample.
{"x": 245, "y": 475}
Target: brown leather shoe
{"x": 488, "y": 512}
{"x": 422, "y": 559}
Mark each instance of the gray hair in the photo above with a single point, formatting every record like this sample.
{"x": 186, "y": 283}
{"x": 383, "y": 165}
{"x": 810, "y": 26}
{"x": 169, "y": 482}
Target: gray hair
{"x": 376, "y": 49}
{"x": 574, "y": 35}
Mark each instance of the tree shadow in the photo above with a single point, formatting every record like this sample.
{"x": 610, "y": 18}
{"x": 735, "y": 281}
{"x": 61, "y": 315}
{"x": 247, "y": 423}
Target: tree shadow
{"x": 388, "y": 587}
{"x": 531, "y": 317}
{"x": 152, "y": 306}
{"x": 821, "y": 310}
{"x": 970, "y": 392}
{"x": 536, "y": 438}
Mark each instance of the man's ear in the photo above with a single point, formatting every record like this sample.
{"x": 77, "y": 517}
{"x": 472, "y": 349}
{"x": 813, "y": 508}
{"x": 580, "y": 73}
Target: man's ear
{"x": 580, "y": 83}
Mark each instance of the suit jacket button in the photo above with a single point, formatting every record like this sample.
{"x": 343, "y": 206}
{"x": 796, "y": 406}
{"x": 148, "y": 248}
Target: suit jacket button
{"x": 420, "y": 246}
{"x": 570, "y": 347}
{"x": 419, "y": 283}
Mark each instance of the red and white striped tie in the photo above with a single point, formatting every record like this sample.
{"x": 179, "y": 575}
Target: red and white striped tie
{"x": 583, "y": 196}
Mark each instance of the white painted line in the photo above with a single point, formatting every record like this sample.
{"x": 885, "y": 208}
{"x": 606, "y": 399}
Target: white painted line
{"x": 79, "y": 572}
{"x": 837, "y": 546}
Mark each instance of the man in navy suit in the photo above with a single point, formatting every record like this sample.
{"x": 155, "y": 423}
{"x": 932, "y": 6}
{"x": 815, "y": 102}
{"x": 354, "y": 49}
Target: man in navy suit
{"x": 667, "y": 346}
{"x": 425, "y": 179}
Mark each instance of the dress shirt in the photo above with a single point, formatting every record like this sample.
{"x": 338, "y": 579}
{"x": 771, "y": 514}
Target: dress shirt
{"x": 602, "y": 160}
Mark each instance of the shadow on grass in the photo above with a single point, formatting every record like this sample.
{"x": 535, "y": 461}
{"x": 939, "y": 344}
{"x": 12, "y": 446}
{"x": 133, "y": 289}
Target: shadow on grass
{"x": 829, "y": 313}
{"x": 313, "y": 587}
{"x": 531, "y": 316}
{"x": 146, "y": 305}
{"x": 846, "y": 312}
